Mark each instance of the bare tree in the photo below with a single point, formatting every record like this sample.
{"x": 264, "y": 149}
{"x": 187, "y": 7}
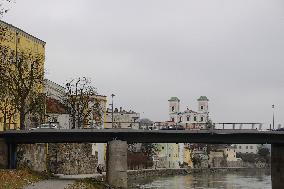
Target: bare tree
{"x": 3, "y": 7}
{"x": 21, "y": 75}
{"x": 81, "y": 102}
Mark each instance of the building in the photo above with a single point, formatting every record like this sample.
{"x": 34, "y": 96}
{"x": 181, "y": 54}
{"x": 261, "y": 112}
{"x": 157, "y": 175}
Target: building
{"x": 122, "y": 119}
{"x": 56, "y": 113}
{"x": 189, "y": 119}
{"x": 168, "y": 155}
{"x": 19, "y": 41}
{"x": 187, "y": 157}
{"x": 54, "y": 90}
{"x": 247, "y": 148}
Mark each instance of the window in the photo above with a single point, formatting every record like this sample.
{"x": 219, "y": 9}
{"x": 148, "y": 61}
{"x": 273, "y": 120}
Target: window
{"x": 180, "y": 119}
{"x": 240, "y": 147}
{"x": 251, "y": 147}
{"x": 201, "y": 119}
{"x": 201, "y": 107}
{"x": 247, "y": 147}
{"x": 187, "y": 118}
{"x": 194, "y": 118}
{"x": 173, "y": 119}
{"x": 173, "y": 108}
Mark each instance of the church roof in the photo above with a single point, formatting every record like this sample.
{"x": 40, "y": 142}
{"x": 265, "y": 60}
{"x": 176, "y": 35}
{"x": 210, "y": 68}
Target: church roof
{"x": 174, "y": 99}
{"x": 203, "y": 98}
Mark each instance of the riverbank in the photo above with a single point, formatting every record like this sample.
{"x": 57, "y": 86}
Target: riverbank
{"x": 146, "y": 173}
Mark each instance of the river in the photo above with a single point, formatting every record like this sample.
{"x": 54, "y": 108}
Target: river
{"x": 226, "y": 180}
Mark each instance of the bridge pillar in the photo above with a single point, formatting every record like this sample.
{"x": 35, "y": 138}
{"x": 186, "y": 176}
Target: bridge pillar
{"x": 3, "y": 154}
{"x": 277, "y": 165}
{"x": 117, "y": 164}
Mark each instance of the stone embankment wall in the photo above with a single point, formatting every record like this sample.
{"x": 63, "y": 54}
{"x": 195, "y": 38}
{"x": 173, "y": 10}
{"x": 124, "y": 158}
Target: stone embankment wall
{"x": 32, "y": 156}
{"x": 134, "y": 174}
{"x": 72, "y": 159}
{"x": 69, "y": 159}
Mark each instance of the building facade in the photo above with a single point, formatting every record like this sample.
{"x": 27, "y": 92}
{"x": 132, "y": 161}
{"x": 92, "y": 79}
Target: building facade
{"x": 122, "y": 119}
{"x": 247, "y": 148}
{"x": 189, "y": 119}
{"x": 19, "y": 42}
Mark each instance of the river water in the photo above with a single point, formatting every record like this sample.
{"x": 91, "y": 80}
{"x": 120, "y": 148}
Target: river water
{"x": 226, "y": 180}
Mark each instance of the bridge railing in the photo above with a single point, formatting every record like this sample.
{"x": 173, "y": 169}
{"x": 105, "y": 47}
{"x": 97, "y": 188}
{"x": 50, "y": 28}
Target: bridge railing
{"x": 240, "y": 126}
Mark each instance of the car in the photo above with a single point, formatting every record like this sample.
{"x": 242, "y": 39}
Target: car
{"x": 280, "y": 129}
{"x": 46, "y": 126}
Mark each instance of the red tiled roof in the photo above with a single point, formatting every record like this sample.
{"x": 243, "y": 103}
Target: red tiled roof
{"x": 54, "y": 106}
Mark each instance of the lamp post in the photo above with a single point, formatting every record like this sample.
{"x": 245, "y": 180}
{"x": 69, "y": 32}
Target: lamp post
{"x": 112, "y": 95}
{"x": 273, "y": 116}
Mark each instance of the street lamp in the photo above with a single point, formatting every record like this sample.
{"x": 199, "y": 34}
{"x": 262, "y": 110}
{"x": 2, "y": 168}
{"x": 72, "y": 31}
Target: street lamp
{"x": 273, "y": 116}
{"x": 112, "y": 95}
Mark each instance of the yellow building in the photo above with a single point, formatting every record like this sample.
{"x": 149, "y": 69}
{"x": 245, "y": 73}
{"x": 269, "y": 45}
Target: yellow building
{"x": 18, "y": 41}
{"x": 187, "y": 157}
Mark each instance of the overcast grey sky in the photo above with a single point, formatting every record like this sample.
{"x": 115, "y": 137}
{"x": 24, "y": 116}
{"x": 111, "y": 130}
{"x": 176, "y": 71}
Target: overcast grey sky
{"x": 146, "y": 51}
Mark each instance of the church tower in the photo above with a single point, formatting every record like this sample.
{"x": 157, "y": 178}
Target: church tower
{"x": 203, "y": 104}
{"x": 174, "y": 105}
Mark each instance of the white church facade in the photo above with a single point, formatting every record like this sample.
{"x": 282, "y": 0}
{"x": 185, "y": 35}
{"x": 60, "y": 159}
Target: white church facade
{"x": 189, "y": 119}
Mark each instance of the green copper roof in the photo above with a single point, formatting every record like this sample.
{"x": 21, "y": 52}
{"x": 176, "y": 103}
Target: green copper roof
{"x": 174, "y": 99}
{"x": 203, "y": 98}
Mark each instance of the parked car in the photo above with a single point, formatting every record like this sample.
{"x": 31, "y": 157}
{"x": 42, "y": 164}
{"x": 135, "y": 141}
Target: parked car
{"x": 46, "y": 126}
{"x": 280, "y": 129}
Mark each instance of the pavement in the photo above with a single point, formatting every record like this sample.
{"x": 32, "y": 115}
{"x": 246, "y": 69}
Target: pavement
{"x": 51, "y": 184}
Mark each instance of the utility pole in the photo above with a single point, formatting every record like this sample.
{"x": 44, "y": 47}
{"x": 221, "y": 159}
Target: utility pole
{"x": 112, "y": 95}
{"x": 273, "y": 116}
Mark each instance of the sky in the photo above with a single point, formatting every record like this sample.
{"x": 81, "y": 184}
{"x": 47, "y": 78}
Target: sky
{"x": 145, "y": 51}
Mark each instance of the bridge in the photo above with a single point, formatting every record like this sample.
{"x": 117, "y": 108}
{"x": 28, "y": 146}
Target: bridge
{"x": 117, "y": 140}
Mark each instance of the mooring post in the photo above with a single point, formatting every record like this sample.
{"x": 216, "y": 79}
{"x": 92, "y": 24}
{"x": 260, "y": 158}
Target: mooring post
{"x": 3, "y": 154}
{"x": 277, "y": 166}
{"x": 117, "y": 164}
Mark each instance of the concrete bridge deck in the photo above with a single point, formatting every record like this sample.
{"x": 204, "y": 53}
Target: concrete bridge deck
{"x": 215, "y": 136}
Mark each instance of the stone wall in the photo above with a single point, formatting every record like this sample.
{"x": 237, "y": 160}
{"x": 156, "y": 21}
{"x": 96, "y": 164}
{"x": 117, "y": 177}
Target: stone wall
{"x": 72, "y": 159}
{"x": 144, "y": 173}
{"x": 69, "y": 159}
{"x": 32, "y": 156}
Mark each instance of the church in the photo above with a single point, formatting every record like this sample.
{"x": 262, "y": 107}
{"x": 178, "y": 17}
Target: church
{"x": 189, "y": 119}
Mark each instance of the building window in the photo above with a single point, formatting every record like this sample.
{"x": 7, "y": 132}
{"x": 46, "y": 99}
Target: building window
{"x": 247, "y": 147}
{"x": 194, "y": 118}
{"x": 180, "y": 119}
{"x": 201, "y": 107}
{"x": 251, "y": 147}
{"x": 187, "y": 118}
{"x": 173, "y": 108}
{"x": 173, "y": 119}
{"x": 201, "y": 119}
{"x": 240, "y": 147}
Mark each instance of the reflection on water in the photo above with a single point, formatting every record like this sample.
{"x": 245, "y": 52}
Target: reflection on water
{"x": 236, "y": 180}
